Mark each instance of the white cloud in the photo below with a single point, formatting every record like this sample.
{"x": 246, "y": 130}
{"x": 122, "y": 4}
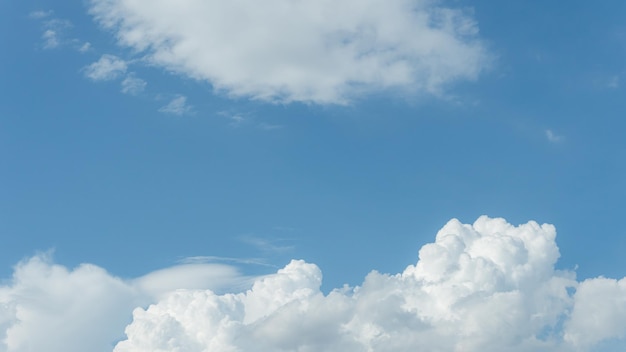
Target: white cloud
{"x": 489, "y": 286}
{"x": 47, "y": 307}
{"x": 40, "y": 14}
{"x": 50, "y": 39}
{"x": 614, "y": 82}
{"x": 267, "y": 245}
{"x": 107, "y": 68}
{"x": 217, "y": 259}
{"x": 177, "y": 106}
{"x": 133, "y": 85}
{"x": 53, "y": 29}
{"x": 85, "y": 47}
{"x": 191, "y": 276}
{"x": 553, "y": 137}
{"x": 236, "y": 120}
{"x": 305, "y": 51}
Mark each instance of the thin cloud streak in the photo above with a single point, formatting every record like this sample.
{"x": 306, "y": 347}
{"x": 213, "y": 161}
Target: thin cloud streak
{"x": 267, "y": 245}
{"x": 177, "y": 106}
{"x": 218, "y": 259}
{"x": 553, "y": 137}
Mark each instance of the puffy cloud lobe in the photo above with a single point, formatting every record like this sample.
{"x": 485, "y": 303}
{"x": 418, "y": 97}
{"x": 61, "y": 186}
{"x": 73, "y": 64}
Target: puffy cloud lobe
{"x": 489, "y": 286}
{"x": 47, "y": 307}
{"x": 307, "y": 51}
{"x": 599, "y": 313}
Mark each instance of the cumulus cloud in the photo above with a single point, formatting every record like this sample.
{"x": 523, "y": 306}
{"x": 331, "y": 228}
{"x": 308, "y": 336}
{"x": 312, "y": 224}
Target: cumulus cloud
{"x": 48, "y": 307}
{"x": 303, "y": 51}
{"x": 177, "y": 106}
{"x": 486, "y": 286}
{"x": 490, "y": 286}
{"x": 107, "y": 68}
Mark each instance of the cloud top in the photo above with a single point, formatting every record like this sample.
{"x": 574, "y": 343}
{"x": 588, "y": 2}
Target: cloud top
{"x": 48, "y": 307}
{"x": 489, "y": 286}
{"x": 302, "y": 51}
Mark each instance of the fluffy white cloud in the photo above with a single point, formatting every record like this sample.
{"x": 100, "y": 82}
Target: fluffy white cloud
{"x": 599, "y": 312}
{"x": 47, "y": 307}
{"x": 488, "y": 286}
{"x": 107, "y": 68}
{"x": 309, "y": 51}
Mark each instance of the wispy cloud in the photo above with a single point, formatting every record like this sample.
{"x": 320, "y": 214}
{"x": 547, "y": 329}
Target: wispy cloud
{"x": 269, "y": 127}
{"x": 267, "y": 245}
{"x": 40, "y": 14}
{"x": 177, "y": 106}
{"x": 553, "y": 137}
{"x": 133, "y": 85}
{"x": 614, "y": 82}
{"x": 239, "y": 119}
{"x": 236, "y": 120}
{"x": 107, "y": 68}
{"x": 53, "y": 28}
{"x": 50, "y": 39}
{"x": 85, "y": 47}
{"x": 217, "y": 259}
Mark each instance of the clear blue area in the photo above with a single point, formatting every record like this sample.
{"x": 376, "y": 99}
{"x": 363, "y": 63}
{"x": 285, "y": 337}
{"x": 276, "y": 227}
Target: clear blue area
{"x": 105, "y": 178}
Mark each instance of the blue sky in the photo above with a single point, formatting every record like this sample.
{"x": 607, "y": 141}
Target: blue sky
{"x": 138, "y": 167}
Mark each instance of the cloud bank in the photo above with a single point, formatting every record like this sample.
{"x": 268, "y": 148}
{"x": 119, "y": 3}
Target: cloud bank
{"x": 302, "y": 51}
{"x": 486, "y": 286}
{"x": 489, "y": 286}
{"x": 47, "y": 307}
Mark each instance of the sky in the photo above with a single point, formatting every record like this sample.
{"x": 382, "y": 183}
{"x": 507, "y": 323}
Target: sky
{"x": 199, "y": 175}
